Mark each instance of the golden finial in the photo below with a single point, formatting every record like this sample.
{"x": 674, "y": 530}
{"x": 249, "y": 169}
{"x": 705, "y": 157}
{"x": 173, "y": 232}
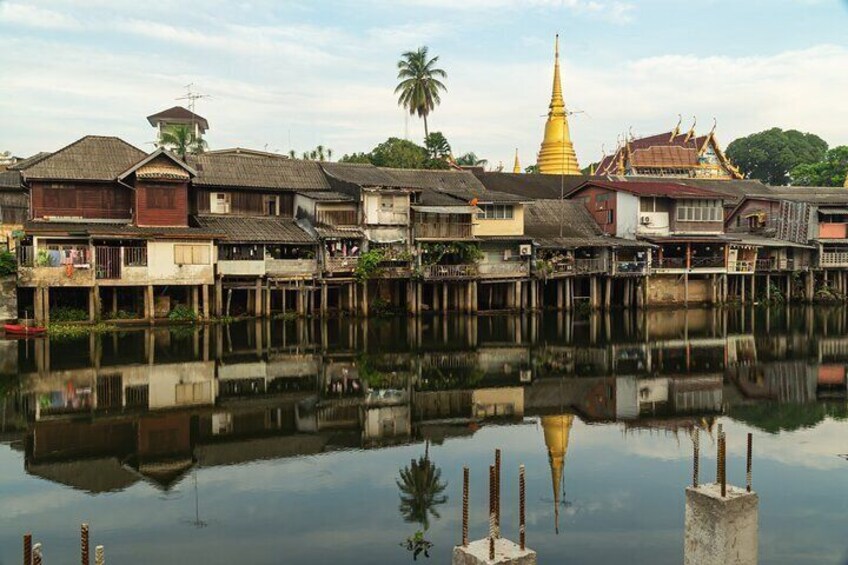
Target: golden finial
{"x": 557, "y": 154}
{"x": 691, "y": 133}
{"x": 516, "y": 167}
{"x": 592, "y": 170}
{"x": 676, "y": 130}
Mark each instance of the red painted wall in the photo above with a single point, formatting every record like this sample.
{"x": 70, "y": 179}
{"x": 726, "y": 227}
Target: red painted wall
{"x": 76, "y": 199}
{"x": 161, "y": 203}
{"x": 600, "y": 209}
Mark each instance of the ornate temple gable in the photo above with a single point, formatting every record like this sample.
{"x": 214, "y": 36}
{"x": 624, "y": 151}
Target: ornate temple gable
{"x": 670, "y": 154}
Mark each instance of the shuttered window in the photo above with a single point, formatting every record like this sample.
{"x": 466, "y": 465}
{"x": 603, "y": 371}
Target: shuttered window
{"x": 191, "y": 254}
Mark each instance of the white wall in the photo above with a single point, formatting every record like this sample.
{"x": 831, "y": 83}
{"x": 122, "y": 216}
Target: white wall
{"x": 627, "y": 210}
{"x": 162, "y": 269}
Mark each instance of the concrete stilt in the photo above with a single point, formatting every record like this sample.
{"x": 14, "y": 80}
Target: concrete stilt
{"x": 38, "y": 305}
{"x": 114, "y": 301}
{"x": 608, "y": 293}
{"x": 445, "y": 298}
{"x": 93, "y": 303}
{"x": 473, "y": 289}
{"x": 325, "y": 295}
{"x": 560, "y": 294}
{"x": 219, "y": 297}
{"x": 519, "y": 300}
{"x": 364, "y": 303}
{"x": 720, "y": 530}
{"x": 205, "y": 293}
{"x": 149, "y": 304}
{"x": 257, "y": 299}
{"x": 534, "y": 289}
{"x": 195, "y": 300}
{"x": 569, "y": 294}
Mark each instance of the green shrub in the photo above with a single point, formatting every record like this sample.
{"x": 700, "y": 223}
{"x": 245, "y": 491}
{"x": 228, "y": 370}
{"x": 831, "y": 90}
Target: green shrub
{"x": 120, "y": 315}
{"x": 42, "y": 259}
{"x": 8, "y": 264}
{"x": 73, "y": 331}
{"x": 368, "y": 265}
{"x": 182, "y": 313}
{"x": 61, "y": 314}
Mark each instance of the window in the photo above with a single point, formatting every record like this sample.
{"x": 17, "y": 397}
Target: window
{"x": 495, "y": 212}
{"x": 219, "y": 203}
{"x": 185, "y": 254}
{"x": 699, "y": 211}
{"x": 387, "y": 203}
{"x": 161, "y": 198}
{"x": 607, "y": 217}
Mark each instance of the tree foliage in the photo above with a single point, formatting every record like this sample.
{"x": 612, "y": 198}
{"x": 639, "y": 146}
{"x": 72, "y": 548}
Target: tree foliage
{"x": 832, "y": 170}
{"x": 320, "y": 153}
{"x": 181, "y": 141}
{"x": 419, "y": 87}
{"x": 470, "y": 159}
{"x": 421, "y": 490}
{"x": 770, "y": 155}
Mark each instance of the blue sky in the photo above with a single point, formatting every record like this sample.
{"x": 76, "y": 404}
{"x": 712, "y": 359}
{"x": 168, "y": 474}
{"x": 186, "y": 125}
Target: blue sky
{"x": 285, "y": 74}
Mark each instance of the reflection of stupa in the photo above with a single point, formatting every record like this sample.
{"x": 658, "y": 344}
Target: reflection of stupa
{"x": 556, "y": 430}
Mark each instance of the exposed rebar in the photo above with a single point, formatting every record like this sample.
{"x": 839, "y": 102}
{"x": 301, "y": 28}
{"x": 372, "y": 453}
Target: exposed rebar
{"x": 27, "y": 549}
{"x": 722, "y": 447}
{"x": 696, "y": 458}
{"x": 84, "y": 557}
{"x": 497, "y": 493}
{"x": 718, "y": 454}
{"x": 99, "y": 556}
{"x": 465, "y": 506}
{"x": 749, "y": 461}
{"x": 36, "y": 554}
{"x": 521, "y": 508}
{"x": 491, "y": 512}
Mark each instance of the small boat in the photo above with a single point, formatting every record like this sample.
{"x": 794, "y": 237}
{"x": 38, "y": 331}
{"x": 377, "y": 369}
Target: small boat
{"x": 22, "y": 330}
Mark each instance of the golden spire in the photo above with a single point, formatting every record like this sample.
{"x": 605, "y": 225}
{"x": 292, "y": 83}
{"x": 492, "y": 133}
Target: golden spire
{"x": 845, "y": 184}
{"x": 557, "y": 154}
{"x": 516, "y": 167}
{"x": 556, "y": 430}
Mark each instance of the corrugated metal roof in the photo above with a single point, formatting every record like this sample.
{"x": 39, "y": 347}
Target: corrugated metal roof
{"x": 327, "y": 196}
{"x": 666, "y": 189}
{"x": 255, "y": 229}
{"x": 116, "y": 229}
{"x": 333, "y": 232}
{"x": 446, "y": 209}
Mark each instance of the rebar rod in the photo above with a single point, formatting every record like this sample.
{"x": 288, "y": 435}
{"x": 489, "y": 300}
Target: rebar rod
{"x": 749, "y": 461}
{"x": 465, "y": 482}
{"x": 521, "y": 508}
{"x": 696, "y": 458}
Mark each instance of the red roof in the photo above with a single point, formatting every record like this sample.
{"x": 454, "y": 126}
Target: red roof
{"x": 662, "y": 189}
{"x": 693, "y": 145}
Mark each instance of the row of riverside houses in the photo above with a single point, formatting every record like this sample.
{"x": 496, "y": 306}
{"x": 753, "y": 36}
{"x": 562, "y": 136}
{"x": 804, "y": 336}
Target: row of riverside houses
{"x": 125, "y": 234}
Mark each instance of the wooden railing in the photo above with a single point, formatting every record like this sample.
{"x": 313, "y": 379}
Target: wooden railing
{"x": 337, "y": 217}
{"x": 669, "y": 263}
{"x": 741, "y": 266}
{"x": 449, "y": 271}
{"x": 340, "y": 264}
{"x": 715, "y": 262}
{"x": 587, "y": 266}
{"x": 630, "y": 267}
{"x": 26, "y": 255}
{"x": 442, "y": 231}
{"x": 135, "y": 256}
{"x": 506, "y": 269}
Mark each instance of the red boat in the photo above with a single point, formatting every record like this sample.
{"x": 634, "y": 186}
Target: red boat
{"x": 21, "y": 330}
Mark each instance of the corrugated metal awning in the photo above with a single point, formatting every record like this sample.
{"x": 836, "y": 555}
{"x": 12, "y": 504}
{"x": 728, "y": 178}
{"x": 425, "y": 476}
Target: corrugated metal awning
{"x": 831, "y": 211}
{"x": 446, "y": 209}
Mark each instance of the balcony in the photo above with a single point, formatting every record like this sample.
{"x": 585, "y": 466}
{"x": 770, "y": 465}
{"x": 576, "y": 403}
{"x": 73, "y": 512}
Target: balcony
{"x": 443, "y": 272}
{"x": 590, "y": 266}
{"x": 741, "y": 266}
{"x": 336, "y": 217}
{"x": 65, "y": 265}
{"x": 776, "y": 264}
{"x": 834, "y": 259}
{"x": 291, "y": 267}
{"x": 340, "y": 264}
{"x": 443, "y": 231}
{"x": 713, "y": 262}
{"x": 504, "y": 270}
{"x": 631, "y": 267}
{"x": 669, "y": 264}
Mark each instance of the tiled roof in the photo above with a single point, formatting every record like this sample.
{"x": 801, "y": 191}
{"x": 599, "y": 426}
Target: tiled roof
{"x": 178, "y": 114}
{"x": 531, "y": 186}
{"x": 660, "y": 189}
{"x": 29, "y": 161}
{"x": 732, "y": 189}
{"x": 116, "y": 229}
{"x": 335, "y": 232}
{"x": 94, "y": 157}
{"x": 254, "y": 172}
{"x": 10, "y": 180}
{"x": 360, "y": 174}
{"x": 665, "y": 156}
{"x": 255, "y": 229}
{"x": 567, "y": 223}
{"x": 327, "y": 196}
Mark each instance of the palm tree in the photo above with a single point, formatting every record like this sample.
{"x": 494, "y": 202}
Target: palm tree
{"x": 470, "y": 160}
{"x": 419, "y": 85}
{"x": 421, "y": 490}
{"x": 182, "y": 141}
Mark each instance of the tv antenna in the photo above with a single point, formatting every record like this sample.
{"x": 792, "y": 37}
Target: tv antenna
{"x": 192, "y": 96}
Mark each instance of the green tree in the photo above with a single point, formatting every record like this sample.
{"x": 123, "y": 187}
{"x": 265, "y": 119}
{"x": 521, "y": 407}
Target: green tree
{"x": 421, "y": 490}
{"x": 419, "y": 88}
{"x": 356, "y": 158}
{"x": 320, "y": 153}
{"x": 531, "y": 169}
{"x": 181, "y": 141}
{"x": 830, "y": 171}
{"x": 437, "y": 146}
{"x": 470, "y": 159}
{"x": 770, "y": 155}
{"x": 398, "y": 153}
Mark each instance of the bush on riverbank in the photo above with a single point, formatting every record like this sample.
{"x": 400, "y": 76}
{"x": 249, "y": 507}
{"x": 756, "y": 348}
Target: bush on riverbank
{"x": 61, "y": 314}
{"x": 74, "y": 331}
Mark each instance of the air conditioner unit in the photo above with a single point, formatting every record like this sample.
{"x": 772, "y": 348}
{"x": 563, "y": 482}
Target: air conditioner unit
{"x": 526, "y": 376}
{"x": 525, "y": 250}
{"x": 507, "y": 254}
{"x": 645, "y": 220}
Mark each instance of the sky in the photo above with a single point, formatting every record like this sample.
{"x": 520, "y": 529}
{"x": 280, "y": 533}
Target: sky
{"x": 284, "y": 74}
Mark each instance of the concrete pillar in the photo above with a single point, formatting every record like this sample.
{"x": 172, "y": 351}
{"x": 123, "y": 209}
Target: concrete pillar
{"x": 753, "y": 289}
{"x": 445, "y": 298}
{"x": 195, "y": 300}
{"x": 93, "y": 303}
{"x": 115, "y": 299}
{"x": 364, "y": 303}
{"x": 742, "y": 283}
{"x": 608, "y": 293}
{"x": 788, "y": 289}
{"x": 720, "y": 530}
{"x": 810, "y": 286}
{"x": 534, "y": 292}
{"x": 419, "y": 295}
{"x": 768, "y": 288}
{"x": 219, "y": 297}
{"x": 593, "y": 293}
{"x": 325, "y": 295}
{"x": 258, "y": 302}
{"x": 569, "y": 293}
{"x": 560, "y": 294}
{"x": 149, "y": 304}
{"x": 506, "y": 553}
{"x": 267, "y": 299}
{"x": 38, "y": 305}
{"x": 206, "y": 313}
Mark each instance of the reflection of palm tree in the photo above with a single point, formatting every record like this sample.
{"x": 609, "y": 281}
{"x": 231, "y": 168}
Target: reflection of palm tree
{"x": 421, "y": 490}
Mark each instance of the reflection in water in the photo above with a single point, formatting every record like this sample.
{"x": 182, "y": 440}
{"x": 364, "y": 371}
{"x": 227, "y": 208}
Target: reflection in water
{"x": 125, "y": 412}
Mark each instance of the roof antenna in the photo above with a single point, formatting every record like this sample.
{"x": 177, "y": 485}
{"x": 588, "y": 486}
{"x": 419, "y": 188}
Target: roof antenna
{"x": 192, "y": 96}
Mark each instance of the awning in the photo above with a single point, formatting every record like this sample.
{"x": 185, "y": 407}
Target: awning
{"x": 446, "y": 209}
{"x": 833, "y": 211}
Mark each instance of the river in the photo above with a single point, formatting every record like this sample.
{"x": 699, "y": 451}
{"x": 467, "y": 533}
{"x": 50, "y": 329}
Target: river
{"x": 335, "y": 442}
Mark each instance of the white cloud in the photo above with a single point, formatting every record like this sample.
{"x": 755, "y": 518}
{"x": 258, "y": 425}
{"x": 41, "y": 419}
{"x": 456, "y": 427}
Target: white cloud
{"x": 32, "y": 16}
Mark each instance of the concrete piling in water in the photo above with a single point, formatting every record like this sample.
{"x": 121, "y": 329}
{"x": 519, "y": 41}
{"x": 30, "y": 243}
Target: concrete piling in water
{"x": 721, "y": 521}
{"x": 497, "y": 493}
{"x": 492, "y": 526}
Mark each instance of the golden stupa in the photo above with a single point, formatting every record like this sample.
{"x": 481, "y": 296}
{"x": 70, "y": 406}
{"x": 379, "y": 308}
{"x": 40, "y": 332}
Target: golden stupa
{"x": 557, "y": 155}
{"x": 556, "y": 430}
{"x": 516, "y": 166}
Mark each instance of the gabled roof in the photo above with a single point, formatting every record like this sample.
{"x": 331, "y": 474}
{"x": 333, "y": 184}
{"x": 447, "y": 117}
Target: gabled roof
{"x": 10, "y": 180}
{"x": 732, "y": 189}
{"x": 178, "y": 114}
{"x": 168, "y": 166}
{"x": 246, "y": 151}
{"x": 255, "y": 229}
{"x": 658, "y": 189}
{"x": 361, "y": 174}
{"x": 93, "y": 157}
{"x": 255, "y": 172}
{"x": 566, "y": 223}
{"x": 29, "y": 161}
{"x": 531, "y": 186}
